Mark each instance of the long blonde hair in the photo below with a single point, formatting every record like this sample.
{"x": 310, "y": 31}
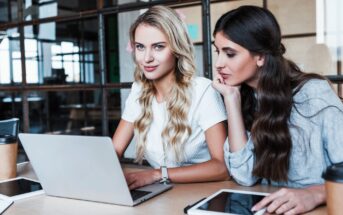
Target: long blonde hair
{"x": 177, "y": 131}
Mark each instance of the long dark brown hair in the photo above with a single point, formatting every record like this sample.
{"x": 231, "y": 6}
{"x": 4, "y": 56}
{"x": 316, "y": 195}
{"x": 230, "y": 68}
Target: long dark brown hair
{"x": 266, "y": 113}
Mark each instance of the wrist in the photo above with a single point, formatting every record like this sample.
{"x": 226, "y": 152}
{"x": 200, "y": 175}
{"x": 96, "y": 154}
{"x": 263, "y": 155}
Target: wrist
{"x": 157, "y": 174}
{"x": 232, "y": 104}
{"x": 318, "y": 193}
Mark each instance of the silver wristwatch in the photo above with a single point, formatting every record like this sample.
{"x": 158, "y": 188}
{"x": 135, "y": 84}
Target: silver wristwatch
{"x": 165, "y": 177}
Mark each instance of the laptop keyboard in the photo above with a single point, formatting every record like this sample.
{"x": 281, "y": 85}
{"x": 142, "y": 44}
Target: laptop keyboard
{"x": 136, "y": 194}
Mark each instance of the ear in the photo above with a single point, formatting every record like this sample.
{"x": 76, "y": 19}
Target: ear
{"x": 259, "y": 60}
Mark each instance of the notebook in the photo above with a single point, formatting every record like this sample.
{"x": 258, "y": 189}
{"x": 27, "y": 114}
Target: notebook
{"x": 83, "y": 167}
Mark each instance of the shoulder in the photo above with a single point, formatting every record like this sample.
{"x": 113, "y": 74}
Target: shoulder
{"x": 316, "y": 95}
{"x": 136, "y": 89}
{"x": 315, "y": 89}
{"x": 202, "y": 80}
{"x": 314, "y": 86}
{"x": 202, "y": 88}
{"x": 204, "y": 93}
{"x": 136, "y": 86}
{"x": 200, "y": 84}
{"x": 135, "y": 93}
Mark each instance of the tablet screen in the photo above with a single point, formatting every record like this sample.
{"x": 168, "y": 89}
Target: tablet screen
{"x": 228, "y": 202}
{"x": 18, "y": 186}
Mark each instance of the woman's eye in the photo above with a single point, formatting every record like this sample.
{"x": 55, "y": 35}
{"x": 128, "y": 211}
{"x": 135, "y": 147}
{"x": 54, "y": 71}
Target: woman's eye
{"x": 159, "y": 47}
{"x": 139, "y": 47}
{"x": 230, "y": 55}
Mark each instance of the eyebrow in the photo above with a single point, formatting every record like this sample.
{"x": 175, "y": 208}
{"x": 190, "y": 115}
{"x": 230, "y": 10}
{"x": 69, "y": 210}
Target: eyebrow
{"x": 226, "y": 48}
{"x": 158, "y": 43}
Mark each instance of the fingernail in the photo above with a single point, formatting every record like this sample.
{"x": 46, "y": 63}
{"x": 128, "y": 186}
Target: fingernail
{"x": 253, "y": 208}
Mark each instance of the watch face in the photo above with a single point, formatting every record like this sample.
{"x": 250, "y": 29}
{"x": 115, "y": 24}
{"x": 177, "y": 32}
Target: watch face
{"x": 165, "y": 181}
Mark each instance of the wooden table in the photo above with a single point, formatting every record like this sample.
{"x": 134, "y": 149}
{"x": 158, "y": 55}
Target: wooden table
{"x": 171, "y": 202}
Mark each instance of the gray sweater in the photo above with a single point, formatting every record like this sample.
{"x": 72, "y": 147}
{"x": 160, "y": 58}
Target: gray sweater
{"x": 316, "y": 127}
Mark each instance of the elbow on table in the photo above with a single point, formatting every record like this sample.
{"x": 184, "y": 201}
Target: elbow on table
{"x": 244, "y": 182}
{"x": 223, "y": 172}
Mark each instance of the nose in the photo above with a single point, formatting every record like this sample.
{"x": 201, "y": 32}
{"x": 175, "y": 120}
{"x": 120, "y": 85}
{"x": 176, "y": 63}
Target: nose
{"x": 219, "y": 63}
{"x": 148, "y": 57}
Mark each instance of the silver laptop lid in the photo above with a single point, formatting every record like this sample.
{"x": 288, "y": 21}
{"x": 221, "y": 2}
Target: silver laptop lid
{"x": 80, "y": 167}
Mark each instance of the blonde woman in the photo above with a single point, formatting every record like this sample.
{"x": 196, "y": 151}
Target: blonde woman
{"x": 175, "y": 117}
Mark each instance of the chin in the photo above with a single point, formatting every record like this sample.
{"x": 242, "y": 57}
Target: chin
{"x": 232, "y": 83}
{"x": 150, "y": 77}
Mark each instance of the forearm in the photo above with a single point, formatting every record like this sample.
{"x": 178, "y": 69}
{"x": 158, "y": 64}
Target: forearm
{"x": 236, "y": 129}
{"x": 212, "y": 170}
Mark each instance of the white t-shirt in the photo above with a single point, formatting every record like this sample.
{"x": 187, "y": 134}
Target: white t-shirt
{"x": 207, "y": 109}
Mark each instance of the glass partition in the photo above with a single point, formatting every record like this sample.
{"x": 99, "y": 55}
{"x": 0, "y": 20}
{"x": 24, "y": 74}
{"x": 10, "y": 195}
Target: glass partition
{"x": 62, "y": 52}
{"x": 10, "y": 57}
{"x": 10, "y": 105}
{"x": 8, "y": 11}
{"x": 65, "y": 112}
{"x": 38, "y": 9}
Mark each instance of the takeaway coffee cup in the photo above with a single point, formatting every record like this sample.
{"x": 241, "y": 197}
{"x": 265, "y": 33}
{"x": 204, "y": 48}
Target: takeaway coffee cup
{"x": 8, "y": 156}
{"x": 334, "y": 188}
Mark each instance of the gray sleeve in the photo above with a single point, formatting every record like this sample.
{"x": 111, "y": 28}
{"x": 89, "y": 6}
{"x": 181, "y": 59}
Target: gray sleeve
{"x": 324, "y": 103}
{"x": 241, "y": 163}
{"x": 332, "y": 133}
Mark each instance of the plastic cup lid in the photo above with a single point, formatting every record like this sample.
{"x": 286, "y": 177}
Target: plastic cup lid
{"x": 334, "y": 173}
{"x": 6, "y": 139}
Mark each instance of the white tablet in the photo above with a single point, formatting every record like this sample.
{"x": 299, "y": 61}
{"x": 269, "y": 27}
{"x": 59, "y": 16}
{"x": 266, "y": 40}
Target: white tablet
{"x": 20, "y": 187}
{"x": 4, "y": 204}
{"x": 227, "y": 201}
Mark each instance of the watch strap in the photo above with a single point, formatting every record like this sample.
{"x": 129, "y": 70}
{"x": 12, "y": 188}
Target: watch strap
{"x": 165, "y": 177}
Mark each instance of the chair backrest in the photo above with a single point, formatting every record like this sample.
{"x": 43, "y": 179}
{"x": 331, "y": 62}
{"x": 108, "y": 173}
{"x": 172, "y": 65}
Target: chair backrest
{"x": 9, "y": 126}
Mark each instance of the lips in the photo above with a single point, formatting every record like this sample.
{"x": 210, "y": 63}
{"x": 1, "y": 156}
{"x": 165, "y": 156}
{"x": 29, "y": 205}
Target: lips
{"x": 150, "y": 68}
{"x": 225, "y": 76}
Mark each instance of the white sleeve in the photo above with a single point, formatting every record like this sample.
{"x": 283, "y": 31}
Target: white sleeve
{"x": 210, "y": 109}
{"x": 132, "y": 108}
{"x": 241, "y": 163}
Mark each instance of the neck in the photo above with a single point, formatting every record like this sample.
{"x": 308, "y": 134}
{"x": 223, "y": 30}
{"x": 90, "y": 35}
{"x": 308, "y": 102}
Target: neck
{"x": 163, "y": 86}
{"x": 252, "y": 83}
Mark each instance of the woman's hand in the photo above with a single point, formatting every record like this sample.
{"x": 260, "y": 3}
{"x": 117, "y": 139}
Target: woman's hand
{"x": 232, "y": 98}
{"x": 142, "y": 178}
{"x": 226, "y": 90}
{"x": 292, "y": 201}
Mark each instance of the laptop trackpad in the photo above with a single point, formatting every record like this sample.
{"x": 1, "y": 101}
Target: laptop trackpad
{"x": 154, "y": 189}
{"x": 136, "y": 194}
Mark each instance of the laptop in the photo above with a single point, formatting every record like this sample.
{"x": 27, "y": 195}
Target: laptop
{"x": 83, "y": 167}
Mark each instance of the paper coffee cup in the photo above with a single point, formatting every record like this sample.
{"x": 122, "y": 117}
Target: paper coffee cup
{"x": 8, "y": 156}
{"x": 334, "y": 188}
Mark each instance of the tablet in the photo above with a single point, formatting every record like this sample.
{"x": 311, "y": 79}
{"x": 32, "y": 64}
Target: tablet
{"x": 4, "y": 204}
{"x": 227, "y": 201}
{"x": 20, "y": 187}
